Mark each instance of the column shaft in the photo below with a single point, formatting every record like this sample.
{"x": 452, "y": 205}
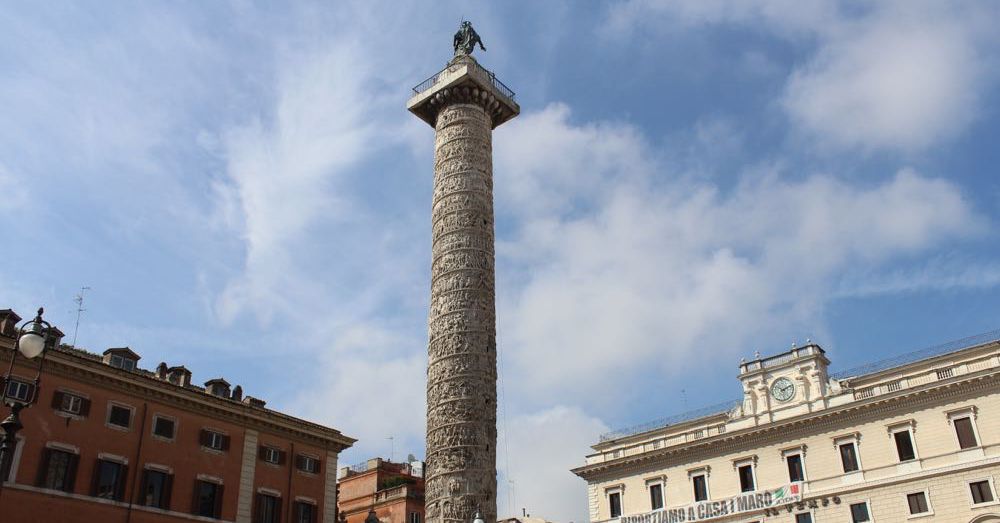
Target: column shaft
{"x": 461, "y": 372}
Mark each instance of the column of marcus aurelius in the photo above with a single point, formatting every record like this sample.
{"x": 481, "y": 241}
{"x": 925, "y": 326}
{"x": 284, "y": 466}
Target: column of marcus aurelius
{"x": 464, "y": 103}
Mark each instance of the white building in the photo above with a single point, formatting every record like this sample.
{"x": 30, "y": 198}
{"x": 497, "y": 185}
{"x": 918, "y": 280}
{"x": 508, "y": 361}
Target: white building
{"x": 917, "y": 438}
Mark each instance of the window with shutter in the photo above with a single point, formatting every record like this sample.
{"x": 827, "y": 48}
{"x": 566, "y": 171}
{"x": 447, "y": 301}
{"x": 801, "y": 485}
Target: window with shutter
{"x": 982, "y": 492}
{"x": 918, "y": 503}
{"x": 849, "y": 457}
{"x": 268, "y": 509}
{"x": 746, "y": 478}
{"x": 58, "y": 470}
{"x": 213, "y": 440}
{"x": 307, "y": 464}
{"x": 155, "y": 489}
{"x": 20, "y": 390}
{"x": 904, "y": 445}
{"x": 700, "y": 484}
{"x": 615, "y": 504}
{"x": 109, "y": 480}
{"x": 859, "y": 513}
{"x": 966, "y": 434}
{"x": 306, "y": 512}
{"x": 272, "y": 455}
{"x": 207, "y": 499}
{"x": 795, "y": 469}
{"x": 68, "y": 403}
{"x": 57, "y": 397}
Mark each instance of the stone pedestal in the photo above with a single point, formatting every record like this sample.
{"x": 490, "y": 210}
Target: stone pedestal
{"x": 463, "y": 103}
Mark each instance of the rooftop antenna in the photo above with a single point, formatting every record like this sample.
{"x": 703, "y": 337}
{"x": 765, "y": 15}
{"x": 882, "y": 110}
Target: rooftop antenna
{"x": 684, "y": 398}
{"x": 392, "y": 449}
{"x": 79, "y": 310}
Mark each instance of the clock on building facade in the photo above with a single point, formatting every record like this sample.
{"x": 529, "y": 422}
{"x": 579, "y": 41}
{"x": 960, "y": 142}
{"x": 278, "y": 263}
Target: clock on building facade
{"x": 782, "y": 389}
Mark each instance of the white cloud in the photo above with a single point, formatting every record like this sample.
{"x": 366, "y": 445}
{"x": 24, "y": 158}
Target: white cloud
{"x": 936, "y": 275}
{"x": 285, "y": 171}
{"x": 370, "y": 398}
{"x": 656, "y": 271}
{"x": 901, "y": 79}
{"x": 792, "y": 16}
{"x": 543, "y": 446}
{"x": 899, "y": 75}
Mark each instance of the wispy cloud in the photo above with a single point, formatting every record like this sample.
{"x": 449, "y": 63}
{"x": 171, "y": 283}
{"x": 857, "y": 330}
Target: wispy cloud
{"x": 895, "y": 75}
{"x": 937, "y": 275}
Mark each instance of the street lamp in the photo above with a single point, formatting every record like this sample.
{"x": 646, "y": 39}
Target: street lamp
{"x": 32, "y": 338}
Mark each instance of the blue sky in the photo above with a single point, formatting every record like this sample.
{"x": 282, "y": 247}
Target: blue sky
{"x": 688, "y": 182}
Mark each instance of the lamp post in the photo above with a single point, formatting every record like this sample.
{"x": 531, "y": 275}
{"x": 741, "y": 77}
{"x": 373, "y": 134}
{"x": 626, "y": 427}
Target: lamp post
{"x": 31, "y": 342}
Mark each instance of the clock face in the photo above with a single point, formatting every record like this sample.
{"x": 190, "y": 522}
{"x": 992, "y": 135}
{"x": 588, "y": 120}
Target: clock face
{"x": 783, "y": 389}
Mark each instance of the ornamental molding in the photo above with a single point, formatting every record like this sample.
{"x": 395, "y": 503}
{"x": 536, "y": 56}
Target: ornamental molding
{"x": 899, "y": 426}
{"x": 852, "y": 414}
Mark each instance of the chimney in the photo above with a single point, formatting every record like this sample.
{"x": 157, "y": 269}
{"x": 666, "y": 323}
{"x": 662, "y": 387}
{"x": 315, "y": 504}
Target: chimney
{"x": 254, "y": 402}
{"x": 8, "y": 322}
{"x": 238, "y": 393}
{"x": 161, "y": 370}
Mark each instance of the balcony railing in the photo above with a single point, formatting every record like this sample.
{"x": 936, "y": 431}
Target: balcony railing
{"x": 672, "y": 420}
{"x": 497, "y": 84}
{"x": 922, "y": 354}
{"x": 397, "y": 492}
{"x": 780, "y": 359}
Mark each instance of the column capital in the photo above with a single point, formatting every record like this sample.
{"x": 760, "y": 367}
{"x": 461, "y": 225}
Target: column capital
{"x": 463, "y": 81}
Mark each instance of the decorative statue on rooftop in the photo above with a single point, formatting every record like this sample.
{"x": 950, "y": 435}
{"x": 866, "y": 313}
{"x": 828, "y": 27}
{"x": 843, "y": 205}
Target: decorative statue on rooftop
{"x": 466, "y": 39}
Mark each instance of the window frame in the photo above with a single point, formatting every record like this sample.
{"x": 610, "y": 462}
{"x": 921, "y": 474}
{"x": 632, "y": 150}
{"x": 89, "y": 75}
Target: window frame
{"x": 739, "y": 465}
{"x": 609, "y": 493}
{"x": 993, "y": 491}
{"x": 970, "y": 413}
{"x": 812, "y": 516}
{"x": 259, "y": 497}
{"x": 70, "y": 472}
{"x": 118, "y": 493}
{"x": 909, "y": 427}
{"x": 29, "y": 387}
{"x": 217, "y": 496}
{"x": 70, "y": 396}
{"x": 927, "y": 500}
{"x": 303, "y": 459}
{"x": 131, "y": 416}
{"x": 208, "y": 436}
{"x": 705, "y": 473}
{"x": 269, "y": 450}
{"x": 124, "y": 362}
{"x": 868, "y": 510}
{"x": 660, "y": 482}
{"x": 849, "y": 439}
{"x": 799, "y": 451}
{"x": 300, "y": 502}
{"x": 166, "y": 489}
{"x": 152, "y": 427}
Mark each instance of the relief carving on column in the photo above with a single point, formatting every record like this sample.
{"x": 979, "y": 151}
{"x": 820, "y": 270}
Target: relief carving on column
{"x": 461, "y": 372}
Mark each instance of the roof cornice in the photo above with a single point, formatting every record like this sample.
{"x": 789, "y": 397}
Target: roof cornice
{"x": 139, "y": 385}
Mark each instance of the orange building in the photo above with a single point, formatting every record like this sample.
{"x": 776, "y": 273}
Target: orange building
{"x": 108, "y": 441}
{"x": 395, "y": 491}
